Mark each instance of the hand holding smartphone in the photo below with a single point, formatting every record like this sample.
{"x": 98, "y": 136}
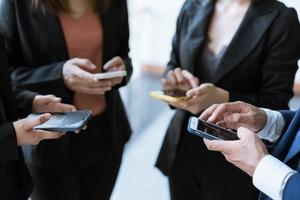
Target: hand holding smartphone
{"x": 110, "y": 75}
{"x": 64, "y": 122}
{"x": 171, "y": 95}
{"x": 210, "y": 131}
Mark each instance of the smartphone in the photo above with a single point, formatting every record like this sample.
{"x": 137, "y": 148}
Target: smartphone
{"x": 210, "y": 131}
{"x": 64, "y": 122}
{"x": 172, "y": 95}
{"x": 109, "y": 75}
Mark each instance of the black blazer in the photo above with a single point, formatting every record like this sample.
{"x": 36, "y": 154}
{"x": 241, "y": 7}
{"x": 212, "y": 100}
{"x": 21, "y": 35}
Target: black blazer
{"x": 14, "y": 176}
{"x": 36, "y": 47}
{"x": 258, "y": 66}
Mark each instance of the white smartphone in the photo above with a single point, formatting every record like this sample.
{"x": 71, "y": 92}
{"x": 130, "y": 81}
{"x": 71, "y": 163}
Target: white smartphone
{"x": 109, "y": 75}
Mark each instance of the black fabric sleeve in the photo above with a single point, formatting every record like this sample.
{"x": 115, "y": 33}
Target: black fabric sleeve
{"x": 8, "y": 143}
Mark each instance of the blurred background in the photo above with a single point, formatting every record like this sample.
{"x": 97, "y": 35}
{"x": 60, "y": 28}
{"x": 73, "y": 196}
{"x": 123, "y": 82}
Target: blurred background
{"x": 152, "y": 25}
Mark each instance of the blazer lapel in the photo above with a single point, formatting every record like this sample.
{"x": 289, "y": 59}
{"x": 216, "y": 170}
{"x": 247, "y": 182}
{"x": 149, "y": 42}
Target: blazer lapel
{"x": 198, "y": 29}
{"x": 295, "y": 148}
{"x": 52, "y": 26}
{"x": 283, "y": 148}
{"x": 257, "y": 20}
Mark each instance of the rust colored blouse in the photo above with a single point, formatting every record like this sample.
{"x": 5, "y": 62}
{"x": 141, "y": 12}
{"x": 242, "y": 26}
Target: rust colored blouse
{"x": 84, "y": 39}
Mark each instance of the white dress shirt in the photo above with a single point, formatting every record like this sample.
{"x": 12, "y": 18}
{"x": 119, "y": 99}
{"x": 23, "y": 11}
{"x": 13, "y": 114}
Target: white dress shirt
{"x": 271, "y": 175}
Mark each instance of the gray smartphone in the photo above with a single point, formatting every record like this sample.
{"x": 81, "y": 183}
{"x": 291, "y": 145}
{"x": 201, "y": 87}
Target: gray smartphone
{"x": 64, "y": 122}
{"x": 210, "y": 131}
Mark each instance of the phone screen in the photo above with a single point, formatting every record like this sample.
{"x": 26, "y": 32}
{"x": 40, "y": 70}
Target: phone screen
{"x": 175, "y": 93}
{"x": 216, "y": 131}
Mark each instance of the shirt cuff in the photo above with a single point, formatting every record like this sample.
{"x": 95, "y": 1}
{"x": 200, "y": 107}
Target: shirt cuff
{"x": 271, "y": 176}
{"x": 274, "y": 126}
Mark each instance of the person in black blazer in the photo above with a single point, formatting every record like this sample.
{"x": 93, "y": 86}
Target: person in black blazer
{"x": 224, "y": 51}
{"x": 15, "y": 181}
{"x": 83, "y": 166}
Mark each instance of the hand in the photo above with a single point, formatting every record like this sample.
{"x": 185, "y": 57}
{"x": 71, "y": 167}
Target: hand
{"x": 50, "y": 103}
{"x": 78, "y": 79}
{"x": 115, "y": 64}
{"x": 26, "y": 135}
{"x": 245, "y": 153}
{"x": 180, "y": 79}
{"x": 235, "y": 115}
{"x": 202, "y": 97}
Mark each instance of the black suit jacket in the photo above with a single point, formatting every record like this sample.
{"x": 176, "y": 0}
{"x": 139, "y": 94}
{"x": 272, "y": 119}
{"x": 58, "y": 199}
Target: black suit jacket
{"x": 14, "y": 176}
{"x": 37, "y": 49}
{"x": 258, "y": 66}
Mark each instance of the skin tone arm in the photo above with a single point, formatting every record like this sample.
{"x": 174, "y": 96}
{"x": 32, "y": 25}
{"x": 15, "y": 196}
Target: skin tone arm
{"x": 247, "y": 152}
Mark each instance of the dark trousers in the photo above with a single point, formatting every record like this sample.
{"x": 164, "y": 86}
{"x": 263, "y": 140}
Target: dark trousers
{"x": 203, "y": 175}
{"x": 92, "y": 167}
{"x": 95, "y": 181}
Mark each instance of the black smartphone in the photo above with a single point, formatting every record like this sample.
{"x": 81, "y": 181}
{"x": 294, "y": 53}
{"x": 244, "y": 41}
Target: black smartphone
{"x": 64, "y": 122}
{"x": 210, "y": 131}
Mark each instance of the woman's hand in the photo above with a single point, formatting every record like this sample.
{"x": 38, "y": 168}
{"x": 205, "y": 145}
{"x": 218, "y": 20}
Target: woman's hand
{"x": 202, "y": 97}
{"x": 180, "y": 79}
{"x": 26, "y": 135}
{"x": 50, "y": 103}
{"x": 115, "y": 64}
{"x": 78, "y": 79}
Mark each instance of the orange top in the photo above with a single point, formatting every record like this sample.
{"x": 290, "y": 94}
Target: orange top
{"x": 84, "y": 39}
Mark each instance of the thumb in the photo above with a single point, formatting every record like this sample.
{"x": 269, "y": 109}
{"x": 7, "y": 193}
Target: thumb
{"x": 193, "y": 92}
{"x": 244, "y": 133}
{"x": 84, "y": 64}
{"x": 39, "y": 120}
{"x": 51, "y": 99}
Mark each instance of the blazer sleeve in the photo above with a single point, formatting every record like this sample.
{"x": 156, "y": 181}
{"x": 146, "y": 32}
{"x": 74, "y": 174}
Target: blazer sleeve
{"x": 288, "y": 116}
{"x": 123, "y": 50}
{"x": 292, "y": 188}
{"x": 30, "y": 77}
{"x": 280, "y": 65}
{"x": 174, "y": 61}
{"x": 24, "y": 100}
{"x": 8, "y": 143}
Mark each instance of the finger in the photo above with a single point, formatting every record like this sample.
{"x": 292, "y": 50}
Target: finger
{"x": 220, "y": 146}
{"x": 193, "y": 92}
{"x": 88, "y": 77}
{"x": 222, "y": 109}
{"x": 47, "y": 135}
{"x": 194, "y": 81}
{"x": 179, "y": 76}
{"x": 52, "y": 98}
{"x": 166, "y": 84}
{"x": 39, "y": 120}
{"x": 116, "y": 63}
{"x": 61, "y": 107}
{"x": 245, "y": 134}
{"x": 236, "y": 120}
{"x": 172, "y": 78}
{"x": 84, "y": 63}
{"x": 208, "y": 112}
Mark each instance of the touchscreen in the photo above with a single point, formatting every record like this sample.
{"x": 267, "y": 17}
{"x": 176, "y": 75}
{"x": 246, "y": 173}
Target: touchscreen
{"x": 216, "y": 131}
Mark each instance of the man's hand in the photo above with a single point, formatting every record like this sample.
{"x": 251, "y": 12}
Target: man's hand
{"x": 202, "y": 97}
{"x": 245, "y": 153}
{"x": 235, "y": 115}
{"x": 50, "y": 103}
{"x": 115, "y": 64}
{"x": 26, "y": 135}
